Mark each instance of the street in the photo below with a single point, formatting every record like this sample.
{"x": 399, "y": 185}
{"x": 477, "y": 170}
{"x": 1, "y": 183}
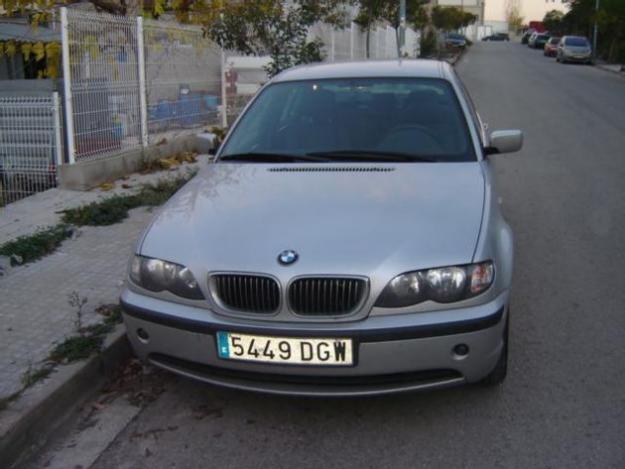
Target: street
{"x": 563, "y": 404}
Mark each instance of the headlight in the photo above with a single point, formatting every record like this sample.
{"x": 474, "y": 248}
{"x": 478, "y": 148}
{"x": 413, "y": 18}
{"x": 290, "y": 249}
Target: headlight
{"x": 156, "y": 275}
{"x": 443, "y": 285}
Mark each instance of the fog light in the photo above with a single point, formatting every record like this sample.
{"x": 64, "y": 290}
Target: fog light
{"x": 461, "y": 350}
{"x": 143, "y": 335}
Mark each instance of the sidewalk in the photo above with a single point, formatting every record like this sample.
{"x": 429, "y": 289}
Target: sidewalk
{"x": 615, "y": 68}
{"x": 34, "y": 307}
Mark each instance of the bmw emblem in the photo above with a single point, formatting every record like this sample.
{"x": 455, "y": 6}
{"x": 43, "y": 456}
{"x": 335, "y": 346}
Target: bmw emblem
{"x": 287, "y": 257}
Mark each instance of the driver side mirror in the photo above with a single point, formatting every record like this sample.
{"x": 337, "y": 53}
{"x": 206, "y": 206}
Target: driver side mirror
{"x": 504, "y": 141}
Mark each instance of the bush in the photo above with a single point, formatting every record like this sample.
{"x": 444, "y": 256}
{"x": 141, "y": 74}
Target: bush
{"x": 428, "y": 44}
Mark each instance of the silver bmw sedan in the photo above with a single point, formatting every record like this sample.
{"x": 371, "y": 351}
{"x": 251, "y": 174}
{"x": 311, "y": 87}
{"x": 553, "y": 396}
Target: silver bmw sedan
{"x": 347, "y": 241}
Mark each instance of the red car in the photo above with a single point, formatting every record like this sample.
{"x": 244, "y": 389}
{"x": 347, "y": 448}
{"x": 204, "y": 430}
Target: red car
{"x": 551, "y": 46}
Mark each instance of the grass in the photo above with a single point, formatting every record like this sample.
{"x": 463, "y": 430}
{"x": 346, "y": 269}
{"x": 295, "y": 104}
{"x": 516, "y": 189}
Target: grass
{"x": 5, "y": 401}
{"x": 89, "y": 339}
{"x": 115, "y": 209}
{"x": 32, "y": 376}
{"x": 76, "y": 348}
{"x": 33, "y": 247}
{"x": 29, "y": 248}
{"x": 79, "y": 347}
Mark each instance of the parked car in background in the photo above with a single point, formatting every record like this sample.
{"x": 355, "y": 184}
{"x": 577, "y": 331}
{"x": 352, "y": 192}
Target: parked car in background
{"x": 532, "y": 39}
{"x": 551, "y": 46}
{"x": 540, "y": 40}
{"x": 372, "y": 258}
{"x": 497, "y": 37}
{"x": 574, "y": 49}
{"x": 526, "y": 36}
{"x": 455, "y": 40}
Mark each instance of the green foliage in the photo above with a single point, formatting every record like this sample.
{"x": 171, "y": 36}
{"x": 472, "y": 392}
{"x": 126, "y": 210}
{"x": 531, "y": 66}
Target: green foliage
{"x": 553, "y": 22}
{"x": 6, "y": 401}
{"x": 451, "y": 18}
{"x": 115, "y": 209}
{"x": 428, "y": 44}
{"x": 373, "y": 12}
{"x": 611, "y": 21}
{"x": 513, "y": 15}
{"x": 76, "y": 348}
{"x": 33, "y": 376}
{"x": 106, "y": 212}
{"x": 89, "y": 339}
{"x": 273, "y": 27}
{"x": 32, "y": 247}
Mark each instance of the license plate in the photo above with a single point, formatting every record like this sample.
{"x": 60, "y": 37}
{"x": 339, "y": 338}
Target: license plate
{"x": 285, "y": 350}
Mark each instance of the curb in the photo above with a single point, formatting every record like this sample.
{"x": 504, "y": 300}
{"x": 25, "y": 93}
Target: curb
{"x": 620, "y": 73}
{"x": 30, "y": 421}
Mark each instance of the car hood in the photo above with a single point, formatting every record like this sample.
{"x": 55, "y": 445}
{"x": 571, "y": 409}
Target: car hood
{"x": 340, "y": 218}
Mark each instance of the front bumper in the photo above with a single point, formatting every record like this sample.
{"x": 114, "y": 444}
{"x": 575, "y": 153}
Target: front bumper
{"x": 396, "y": 353}
{"x": 578, "y": 58}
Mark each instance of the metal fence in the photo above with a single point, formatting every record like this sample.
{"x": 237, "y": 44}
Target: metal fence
{"x": 102, "y": 89}
{"x": 129, "y": 82}
{"x": 183, "y": 78}
{"x": 30, "y": 145}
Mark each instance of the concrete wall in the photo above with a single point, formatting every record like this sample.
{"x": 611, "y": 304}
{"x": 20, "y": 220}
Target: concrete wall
{"x": 86, "y": 175}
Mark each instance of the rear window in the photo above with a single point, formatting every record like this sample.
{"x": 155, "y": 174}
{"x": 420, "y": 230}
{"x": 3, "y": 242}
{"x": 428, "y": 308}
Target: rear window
{"x": 542, "y": 36}
{"x": 576, "y": 41}
{"x": 412, "y": 116}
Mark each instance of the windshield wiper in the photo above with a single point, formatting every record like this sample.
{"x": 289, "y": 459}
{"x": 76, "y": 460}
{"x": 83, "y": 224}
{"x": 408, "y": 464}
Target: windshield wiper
{"x": 260, "y": 157}
{"x": 371, "y": 155}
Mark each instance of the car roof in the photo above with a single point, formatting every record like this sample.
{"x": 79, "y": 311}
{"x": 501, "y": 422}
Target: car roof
{"x": 422, "y": 68}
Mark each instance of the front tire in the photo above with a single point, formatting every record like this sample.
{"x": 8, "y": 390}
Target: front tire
{"x": 499, "y": 373}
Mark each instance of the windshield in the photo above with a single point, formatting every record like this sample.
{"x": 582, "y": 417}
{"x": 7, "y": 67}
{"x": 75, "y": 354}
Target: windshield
{"x": 554, "y": 40}
{"x": 576, "y": 41}
{"x": 455, "y": 36}
{"x": 364, "y": 118}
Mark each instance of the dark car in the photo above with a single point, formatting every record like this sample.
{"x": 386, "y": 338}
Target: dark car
{"x": 497, "y": 37}
{"x": 526, "y": 36}
{"x": 541, "y": 40}
{"x": 455, "y": 40}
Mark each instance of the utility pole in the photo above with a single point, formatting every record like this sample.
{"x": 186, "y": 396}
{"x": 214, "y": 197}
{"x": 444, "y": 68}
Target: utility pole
{"x": 402, "y": 27}
{"x": 594, "y": 33}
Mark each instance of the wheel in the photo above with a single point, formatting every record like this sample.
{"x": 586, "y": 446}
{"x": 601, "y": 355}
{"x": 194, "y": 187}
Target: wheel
{"x": 499, "y": 373}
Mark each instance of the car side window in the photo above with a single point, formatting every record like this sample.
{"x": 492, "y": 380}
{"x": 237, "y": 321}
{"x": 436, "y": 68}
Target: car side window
{"x": 475, "y": 117}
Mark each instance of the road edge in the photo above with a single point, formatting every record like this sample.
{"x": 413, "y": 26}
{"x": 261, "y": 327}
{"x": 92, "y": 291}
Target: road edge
{"x": 606, "y": 68}
{"x": 30, "y": 421}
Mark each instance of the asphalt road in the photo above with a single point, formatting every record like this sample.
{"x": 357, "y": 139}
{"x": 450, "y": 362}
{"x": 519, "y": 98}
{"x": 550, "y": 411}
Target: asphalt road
{"x": 563, "y": 404}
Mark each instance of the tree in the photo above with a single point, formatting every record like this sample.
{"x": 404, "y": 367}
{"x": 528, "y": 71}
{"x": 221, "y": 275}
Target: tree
{"x": 273, "y": 27}
{"x": 611, "y": 21}
{"x": 451, "y": 18}
{"x": 513, "y": 15}
{"x": 372, "y": 12}
{"x": 553, "y": 22}
{"x": 258, "y": 27}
